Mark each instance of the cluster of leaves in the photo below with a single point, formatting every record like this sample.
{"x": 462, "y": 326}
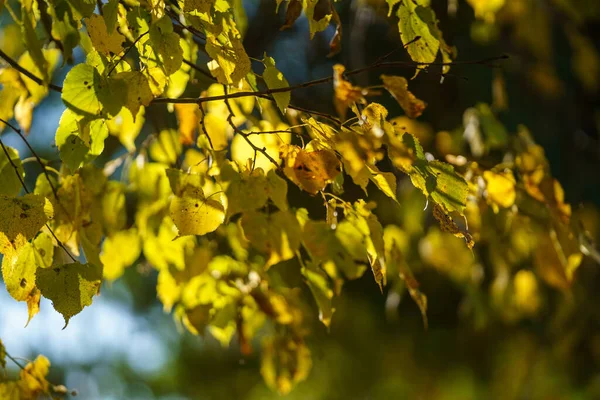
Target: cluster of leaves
{"x": 32, "y": 382}
{"x": 212, "y": 204}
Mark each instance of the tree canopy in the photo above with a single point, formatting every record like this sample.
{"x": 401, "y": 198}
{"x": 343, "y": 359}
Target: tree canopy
{"x": 182, "y": 148}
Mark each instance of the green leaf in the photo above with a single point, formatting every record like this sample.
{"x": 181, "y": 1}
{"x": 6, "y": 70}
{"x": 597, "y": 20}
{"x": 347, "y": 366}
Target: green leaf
{"x": 246, "y": 191}
{"x": 386, "y": 182}
{"x": 286, "y": 361}
{"x": 165, "y": 43}
{"x": 435, "y": 179}
{"x": 416, "y": 20}
{"x": 320, "y": 286}
{"x": 71, "y": 147}
{"x": 138, "y": 92}
{"x": 324, "y": 245}
{"x": 448, "y": 188}
{"x": 10, "y": 184}
{"x": 70, "y": 287}
{"x": 32, "y": 42}
{"x": 110, "y": 12}
{"x": 275, "y": 80}
{"x": 87, "y": 93}
{"x": 277, "y": 190}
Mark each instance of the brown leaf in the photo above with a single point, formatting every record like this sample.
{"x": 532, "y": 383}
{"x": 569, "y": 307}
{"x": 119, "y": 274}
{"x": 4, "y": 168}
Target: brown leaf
{"x": 335, "y": 46}
{"x": 293, "y": 11}
{"x": 398, "y": 87}
{"x": 448, "y": 225}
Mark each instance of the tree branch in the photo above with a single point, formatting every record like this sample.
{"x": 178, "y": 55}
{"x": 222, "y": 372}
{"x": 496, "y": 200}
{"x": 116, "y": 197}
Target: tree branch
{"x": 28, "y": 74}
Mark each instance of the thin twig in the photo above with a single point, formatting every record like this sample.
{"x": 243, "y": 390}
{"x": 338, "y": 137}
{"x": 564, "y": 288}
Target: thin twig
{"x": 39, "y": 160}
{"x": 203, "y": 115}
{"x": 197, "y": 68}
{"x": 127, "y": 51}
{"x": 14, "y": 166}
{"x": 16, "y": 169}
{"x": 263, "y": 151}
{"x": 28, "y": 74}
{"x": 268, "y": 92}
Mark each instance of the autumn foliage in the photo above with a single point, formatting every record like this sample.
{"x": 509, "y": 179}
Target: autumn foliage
{"x": 242, "y": 181}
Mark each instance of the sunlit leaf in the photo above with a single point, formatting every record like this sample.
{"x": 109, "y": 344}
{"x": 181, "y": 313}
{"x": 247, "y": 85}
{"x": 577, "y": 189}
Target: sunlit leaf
{"x": 22, "y": 217}
{"x": 194, "y": 213}
{"x": 87, "y": 93}
{"x": 120, "y": 251}
{"x": 398, "y": 87}
{"x": 275, "y": 80}
{"x": 311, "y": 170}
{"x": 417, "y": 20}
{"x": 103, "y": 41}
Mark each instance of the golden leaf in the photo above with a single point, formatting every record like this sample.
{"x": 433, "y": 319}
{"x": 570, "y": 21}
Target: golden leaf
{"x": 311, "y": 171}
{"x": 102, "y": 41}
{"x": 398, "y": 87}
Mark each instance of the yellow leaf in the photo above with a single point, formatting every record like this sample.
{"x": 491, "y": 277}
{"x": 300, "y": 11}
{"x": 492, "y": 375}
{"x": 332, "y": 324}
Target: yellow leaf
{"x": 526, "y": 291}
{"x": 398, "y": 87}
{"x": 345, "y": 94}
{"x": 486, "y": 9}
{"x": 188, "y": 116}
{"x": 126, "y": 127}
{"x": 385, "y": 181}
{"x": 22, "y": 217}
{"x": 500, "y": 188}
{"x": 33, "y": 304}
{"x": 241, "y": 151}
{"x": 218, "y": 130}
{"x": 120, "y": 251}
{"x": 33, "y": 378}
{"x": 192, "y": 212}
{"x": 311, "y": 171}
{"x": 102, "y": 41}
{"x": 230, "y": 63}
{"x": 318, "y": 13}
